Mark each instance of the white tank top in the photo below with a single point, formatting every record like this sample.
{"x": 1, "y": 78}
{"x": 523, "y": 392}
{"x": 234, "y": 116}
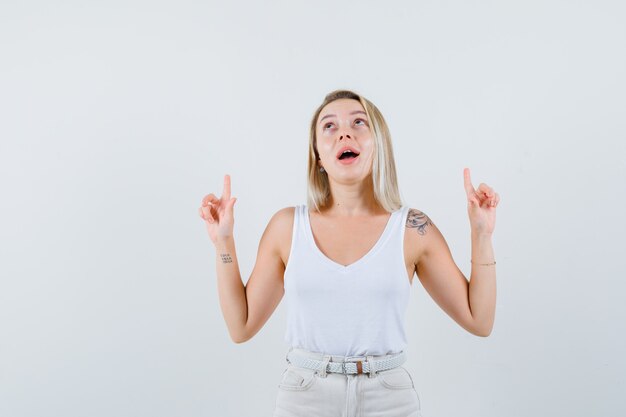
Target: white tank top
{"x": 353, "y": 310}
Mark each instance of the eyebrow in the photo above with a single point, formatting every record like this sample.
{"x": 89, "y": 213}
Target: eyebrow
{"x": 333, "y": 115}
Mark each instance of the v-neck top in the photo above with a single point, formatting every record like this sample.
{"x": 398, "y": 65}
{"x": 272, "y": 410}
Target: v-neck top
{"x": 347, "y": 310}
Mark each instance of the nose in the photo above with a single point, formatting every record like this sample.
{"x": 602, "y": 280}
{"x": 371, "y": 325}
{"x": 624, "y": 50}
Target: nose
{"x": 346, "y": 136}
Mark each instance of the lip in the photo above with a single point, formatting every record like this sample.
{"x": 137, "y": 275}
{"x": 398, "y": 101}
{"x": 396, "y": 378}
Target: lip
{"x": 347, "y": 148}
{"x": 348, "y": 161}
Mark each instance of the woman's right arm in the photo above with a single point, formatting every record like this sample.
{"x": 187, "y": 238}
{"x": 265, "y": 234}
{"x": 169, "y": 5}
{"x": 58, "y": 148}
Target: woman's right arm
{"x": 245, "y": 308}
{"x": 232, "y": 293}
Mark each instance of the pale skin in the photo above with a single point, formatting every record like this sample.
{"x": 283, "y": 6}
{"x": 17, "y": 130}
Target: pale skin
{"x": 347, "y": 229}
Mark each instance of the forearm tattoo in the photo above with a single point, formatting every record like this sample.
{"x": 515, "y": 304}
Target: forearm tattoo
{"x": 226, "y": 259}
{"x": 418, "y": 220}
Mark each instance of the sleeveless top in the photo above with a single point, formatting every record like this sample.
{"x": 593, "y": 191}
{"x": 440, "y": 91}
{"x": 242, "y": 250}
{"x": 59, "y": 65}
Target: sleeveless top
{"x": 353, "y": 310}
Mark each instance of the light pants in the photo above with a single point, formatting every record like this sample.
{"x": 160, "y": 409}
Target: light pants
{"x": 304, "y": 392}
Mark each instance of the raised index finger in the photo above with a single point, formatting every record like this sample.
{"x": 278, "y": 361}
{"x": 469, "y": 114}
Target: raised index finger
{"x": 469, "y": 188}
{"x": 226, "y": 192}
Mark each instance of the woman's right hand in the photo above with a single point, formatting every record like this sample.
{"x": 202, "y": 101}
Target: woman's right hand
{"x": 218, "y": 213}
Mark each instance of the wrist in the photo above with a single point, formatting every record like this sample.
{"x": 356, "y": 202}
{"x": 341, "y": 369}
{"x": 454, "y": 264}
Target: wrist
{"x": 481, "y": 235}
{"x": 224, "y": 243}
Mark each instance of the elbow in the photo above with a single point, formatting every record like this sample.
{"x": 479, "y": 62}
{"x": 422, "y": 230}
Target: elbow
{"x": 239, "y": 339}
{"x": 480, "y": 328}
{"x": 482, "y": 332}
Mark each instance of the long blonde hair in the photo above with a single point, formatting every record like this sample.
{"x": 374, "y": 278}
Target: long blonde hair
{"x": 384, "y": 178}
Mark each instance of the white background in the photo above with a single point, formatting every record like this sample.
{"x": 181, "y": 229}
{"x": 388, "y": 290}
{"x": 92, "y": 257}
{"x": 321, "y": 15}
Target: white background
{"x": 117, "y": 117}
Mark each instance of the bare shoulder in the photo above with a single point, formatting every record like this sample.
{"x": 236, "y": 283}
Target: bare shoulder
{"x": 418, "y": 225}
{"x": 283, "y": 219}
{"x": 418, "y": 220}
{"x": 280, "y": 229}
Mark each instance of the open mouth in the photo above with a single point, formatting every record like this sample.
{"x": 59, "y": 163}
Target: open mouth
{"x": 348, "y": 155}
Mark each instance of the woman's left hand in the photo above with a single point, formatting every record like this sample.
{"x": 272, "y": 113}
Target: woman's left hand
{"x": 481, "y": 206}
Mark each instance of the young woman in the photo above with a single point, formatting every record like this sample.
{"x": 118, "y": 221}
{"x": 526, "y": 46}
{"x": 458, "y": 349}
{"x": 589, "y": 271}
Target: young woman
{"x": 346, "y": 262}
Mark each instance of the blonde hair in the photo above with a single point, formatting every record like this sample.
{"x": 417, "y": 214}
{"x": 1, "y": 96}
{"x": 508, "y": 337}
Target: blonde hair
{"x": 384, "y": 179}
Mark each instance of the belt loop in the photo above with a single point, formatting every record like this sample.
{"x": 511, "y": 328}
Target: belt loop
{"x": 322, "y": 372}
{"x": 370, "y": 361}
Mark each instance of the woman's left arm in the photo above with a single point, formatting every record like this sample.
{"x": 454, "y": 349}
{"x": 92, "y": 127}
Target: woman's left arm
{"x": 482, "y": 284}
{"x": 481, "y": 207}
{"x": 471, "y": 304}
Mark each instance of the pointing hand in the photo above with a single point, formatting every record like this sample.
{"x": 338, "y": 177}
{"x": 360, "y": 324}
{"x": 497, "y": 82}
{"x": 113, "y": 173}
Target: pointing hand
{"x": 218, "y": 213}
{"x": 481, "y": 206}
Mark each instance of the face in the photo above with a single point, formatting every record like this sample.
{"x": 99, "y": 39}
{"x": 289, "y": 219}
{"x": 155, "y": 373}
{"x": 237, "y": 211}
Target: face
{"x": 343, "y": 123}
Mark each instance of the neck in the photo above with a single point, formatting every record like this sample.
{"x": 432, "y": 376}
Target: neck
{"x": 352, "y": 200}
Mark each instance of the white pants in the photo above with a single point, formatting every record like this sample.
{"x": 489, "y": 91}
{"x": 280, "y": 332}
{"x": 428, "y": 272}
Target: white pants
{"x": 305, "y": 392}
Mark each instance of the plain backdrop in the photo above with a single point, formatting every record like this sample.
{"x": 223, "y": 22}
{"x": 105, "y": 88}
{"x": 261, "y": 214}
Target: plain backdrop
{"x": 117, "y": 117}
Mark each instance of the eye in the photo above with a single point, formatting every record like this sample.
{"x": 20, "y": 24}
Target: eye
{"x": 361, "y": 120}
{"x": 327, "y": 124}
